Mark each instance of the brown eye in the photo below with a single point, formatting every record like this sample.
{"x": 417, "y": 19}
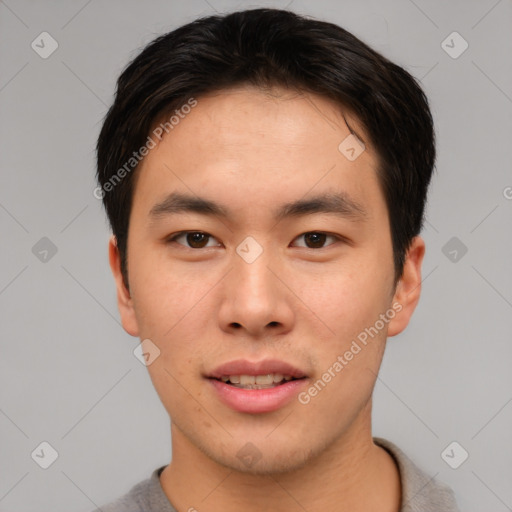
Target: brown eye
{"x": 197, "y": 240}
{"x": 315, "y": 239}
{"x": 193, "y": 239}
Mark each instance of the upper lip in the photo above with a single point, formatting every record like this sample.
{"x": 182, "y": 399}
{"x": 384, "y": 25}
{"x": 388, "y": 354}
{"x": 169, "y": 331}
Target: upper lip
{"x": 264, "y": 367}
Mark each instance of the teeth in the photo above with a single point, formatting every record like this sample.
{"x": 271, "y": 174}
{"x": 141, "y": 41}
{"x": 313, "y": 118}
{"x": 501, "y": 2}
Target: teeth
{"x": 256, "y": 381}
{"x": 246, "y": 380}
{"x": 265, "y": 379}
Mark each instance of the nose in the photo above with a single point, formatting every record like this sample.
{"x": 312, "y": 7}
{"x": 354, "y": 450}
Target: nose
{"x": 255, "y": 299}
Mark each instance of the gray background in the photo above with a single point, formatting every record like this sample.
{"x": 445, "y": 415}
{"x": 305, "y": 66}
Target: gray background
{"x": 68, "y": 375}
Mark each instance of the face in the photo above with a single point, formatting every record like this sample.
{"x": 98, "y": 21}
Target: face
{"x": 255, "y": 241}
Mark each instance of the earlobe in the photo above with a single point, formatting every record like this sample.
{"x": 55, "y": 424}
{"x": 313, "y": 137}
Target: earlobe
{"x": 408, "y": 289}
{"x": 124, "y": 300}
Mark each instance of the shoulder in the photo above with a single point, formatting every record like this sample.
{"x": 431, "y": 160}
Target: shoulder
{"x": 146, "y": 496}
{"x": 420, "y": 491}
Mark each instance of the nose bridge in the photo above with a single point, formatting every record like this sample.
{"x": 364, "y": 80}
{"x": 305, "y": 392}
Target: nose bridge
{"x": 254, "y": 284}
{"x": 254, "y": 298}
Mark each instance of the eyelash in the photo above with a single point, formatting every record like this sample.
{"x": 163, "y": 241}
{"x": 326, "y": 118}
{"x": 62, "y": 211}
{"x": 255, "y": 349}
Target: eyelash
{"x": 175, "y": 236}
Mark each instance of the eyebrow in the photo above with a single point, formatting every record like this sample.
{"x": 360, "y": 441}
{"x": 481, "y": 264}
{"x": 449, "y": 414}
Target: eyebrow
{"x": 339, "y": 204}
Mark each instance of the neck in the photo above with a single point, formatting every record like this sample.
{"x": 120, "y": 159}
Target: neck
{"x": 353, "y": 474}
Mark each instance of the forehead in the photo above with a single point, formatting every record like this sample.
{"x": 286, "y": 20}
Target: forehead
{"x": 278, "y": 116}
{"x": 249, "y": 146}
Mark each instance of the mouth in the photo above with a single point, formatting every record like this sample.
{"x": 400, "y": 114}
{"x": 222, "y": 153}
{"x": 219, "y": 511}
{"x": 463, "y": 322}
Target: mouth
{"x": 266, "y": 381}
{"x": 257, "y": 387}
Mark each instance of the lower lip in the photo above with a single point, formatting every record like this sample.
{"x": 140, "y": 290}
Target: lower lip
{"x": 257, "y": 400}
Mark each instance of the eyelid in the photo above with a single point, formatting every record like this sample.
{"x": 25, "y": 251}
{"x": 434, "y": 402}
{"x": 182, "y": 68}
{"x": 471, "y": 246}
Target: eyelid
{"x": 173, "y": 236}
{"x": 339, "y": 238}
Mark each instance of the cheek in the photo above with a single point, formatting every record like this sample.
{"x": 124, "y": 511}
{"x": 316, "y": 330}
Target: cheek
{"x": 348, "y": 298}
{"x": 172, "y": 312}
{"x": 168, "y": 295}
{"x": 349, "y": 359}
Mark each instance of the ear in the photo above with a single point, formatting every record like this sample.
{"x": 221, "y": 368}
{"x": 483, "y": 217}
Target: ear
{"x": 408, "y": 289}
{"x": 124, "y": 300}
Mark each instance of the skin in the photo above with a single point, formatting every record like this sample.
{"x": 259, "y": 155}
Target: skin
{"x": 252, "y": 152}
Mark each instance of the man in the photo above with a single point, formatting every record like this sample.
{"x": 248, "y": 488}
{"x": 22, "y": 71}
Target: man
{"x": 265, "y": 177}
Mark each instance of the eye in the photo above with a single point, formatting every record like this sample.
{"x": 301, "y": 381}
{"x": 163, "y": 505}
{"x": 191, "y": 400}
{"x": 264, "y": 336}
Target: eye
{"x": 195, "y": 239}
{"x": 316, "y": 239}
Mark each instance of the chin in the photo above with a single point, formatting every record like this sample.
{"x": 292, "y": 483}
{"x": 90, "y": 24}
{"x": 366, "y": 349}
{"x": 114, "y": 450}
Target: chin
{"x": 266, "y": 464}
{"x": 261, "y": 458}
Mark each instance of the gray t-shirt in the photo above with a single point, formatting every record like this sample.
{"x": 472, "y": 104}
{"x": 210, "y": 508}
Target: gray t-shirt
{"x": 420, "y": 493}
